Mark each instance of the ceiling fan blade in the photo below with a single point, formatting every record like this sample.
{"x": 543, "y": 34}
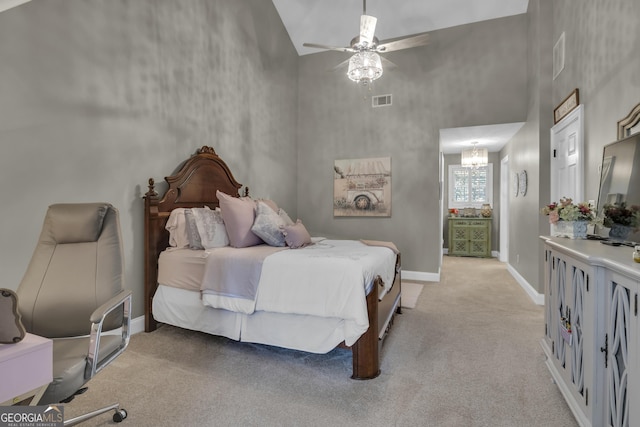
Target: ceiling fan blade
{"x": 367, "y": 28}
{"x": 405, "y": 43}
{"x": 386, "y": 64}
{"x": 322, "y": 46}
{"x": 341, "y": 65}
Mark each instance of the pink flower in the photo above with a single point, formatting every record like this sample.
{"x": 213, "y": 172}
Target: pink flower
{"x": 553, "y": 217}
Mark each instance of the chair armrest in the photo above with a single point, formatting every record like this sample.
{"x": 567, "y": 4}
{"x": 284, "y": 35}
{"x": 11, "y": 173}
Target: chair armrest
{"x": 94, "y": 364}
{"x": 101, "y": 312}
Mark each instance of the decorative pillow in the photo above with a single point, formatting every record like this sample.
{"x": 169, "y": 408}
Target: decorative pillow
{"x": 192, "y": 230}
{"x": 177, "y": 228}
{"x": 211, "y": 229}
{"x": 267, "y": 225}
{"x": 287, "y": 220}
{"x": 296, "y": 235}
{"x": 273, "y": 205}
{"x": 238, "y": 215}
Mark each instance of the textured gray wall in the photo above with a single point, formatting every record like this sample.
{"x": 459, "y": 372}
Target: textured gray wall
{"x": 98, "y": 96}
{"x": 602, "y": 42}
{"x": 529, "y": 149}
{"x": 469, "y": 75}
{"x": 602, "y": 60}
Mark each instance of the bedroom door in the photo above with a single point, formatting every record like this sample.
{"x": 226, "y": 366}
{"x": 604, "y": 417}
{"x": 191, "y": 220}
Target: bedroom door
{"x": 567, "y": 152}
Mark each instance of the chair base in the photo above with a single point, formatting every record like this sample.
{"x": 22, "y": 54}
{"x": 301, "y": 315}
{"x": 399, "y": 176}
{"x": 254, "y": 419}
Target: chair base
{"x": 119, "y": 415}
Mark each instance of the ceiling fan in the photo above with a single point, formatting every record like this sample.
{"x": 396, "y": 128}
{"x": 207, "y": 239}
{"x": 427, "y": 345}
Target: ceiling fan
{"x": 365, "y": 65}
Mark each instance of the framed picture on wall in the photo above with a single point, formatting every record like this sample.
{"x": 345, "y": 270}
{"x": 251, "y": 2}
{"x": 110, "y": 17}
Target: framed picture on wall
{"x": 362, "y": 187}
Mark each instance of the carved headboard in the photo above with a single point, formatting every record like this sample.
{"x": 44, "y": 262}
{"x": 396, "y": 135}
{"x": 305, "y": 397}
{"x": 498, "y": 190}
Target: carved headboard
{"x": 194, "y": 185}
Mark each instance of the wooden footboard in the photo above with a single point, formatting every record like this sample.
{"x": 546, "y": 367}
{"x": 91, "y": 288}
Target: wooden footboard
{"x": 366, "y": 351}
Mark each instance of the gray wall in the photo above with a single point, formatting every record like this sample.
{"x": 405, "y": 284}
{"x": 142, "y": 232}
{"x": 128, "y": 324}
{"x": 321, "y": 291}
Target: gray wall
{"x": 469, "y": 75}
{"x": 602, "y": 60}
{"x": 98, "y": 96}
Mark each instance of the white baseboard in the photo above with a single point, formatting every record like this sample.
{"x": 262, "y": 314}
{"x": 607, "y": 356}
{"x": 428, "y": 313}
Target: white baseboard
{"x": 137, "y": 325}
{"x": 421, "y": 276}
{"x": 536, "y": 297}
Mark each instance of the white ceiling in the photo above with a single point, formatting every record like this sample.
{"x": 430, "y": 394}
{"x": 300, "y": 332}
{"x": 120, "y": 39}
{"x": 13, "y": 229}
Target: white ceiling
{"x": 336, "y": 22}
{"x": 8, "y": 4}
{"x": 491, "y": 137}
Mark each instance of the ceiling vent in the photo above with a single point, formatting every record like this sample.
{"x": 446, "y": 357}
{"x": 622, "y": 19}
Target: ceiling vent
{"x": 381, "y": 101}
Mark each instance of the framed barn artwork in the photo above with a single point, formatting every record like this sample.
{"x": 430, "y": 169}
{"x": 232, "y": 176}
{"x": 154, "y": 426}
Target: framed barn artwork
{"x": 362, "y": 187}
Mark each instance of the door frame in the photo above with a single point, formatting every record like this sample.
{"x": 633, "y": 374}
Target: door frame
{"x": 504, "y": 209}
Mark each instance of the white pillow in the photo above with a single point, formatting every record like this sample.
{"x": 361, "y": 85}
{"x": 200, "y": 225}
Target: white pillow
{"x": 213, "y": 233}
{"x": 177, "y": 228}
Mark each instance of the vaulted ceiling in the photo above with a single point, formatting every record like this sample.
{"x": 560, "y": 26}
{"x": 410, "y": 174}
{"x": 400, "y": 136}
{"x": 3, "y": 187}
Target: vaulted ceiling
{"x": 336, "y": 22}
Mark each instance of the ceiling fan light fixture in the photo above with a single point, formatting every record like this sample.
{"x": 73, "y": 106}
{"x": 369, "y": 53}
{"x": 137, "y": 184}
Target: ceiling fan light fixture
{"x": 364, "y": 67}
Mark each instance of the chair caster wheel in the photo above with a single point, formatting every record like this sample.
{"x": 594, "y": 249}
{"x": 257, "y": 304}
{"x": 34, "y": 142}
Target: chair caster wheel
{"x": 120, "y": 415}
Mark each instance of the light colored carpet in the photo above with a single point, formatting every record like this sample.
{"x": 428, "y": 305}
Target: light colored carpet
{"x": 467, "y": 355}
{"x": 410, "y": 293}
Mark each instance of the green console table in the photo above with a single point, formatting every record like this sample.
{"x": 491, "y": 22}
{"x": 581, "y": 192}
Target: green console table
{"x": 470, "y": 237}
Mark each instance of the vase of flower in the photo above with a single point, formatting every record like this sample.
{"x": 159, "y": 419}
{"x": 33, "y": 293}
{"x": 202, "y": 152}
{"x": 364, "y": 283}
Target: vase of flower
{"x": 569, "y": 219}
{"x": 619, "y": 232}
{"x": 621, "y": 220}
{"x": 570, "y": 229}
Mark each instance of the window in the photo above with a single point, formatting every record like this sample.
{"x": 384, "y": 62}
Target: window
{"x": 470, "y": 187}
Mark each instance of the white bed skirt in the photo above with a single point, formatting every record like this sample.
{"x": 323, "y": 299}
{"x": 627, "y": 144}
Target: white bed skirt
{"x": 184, "y": 309}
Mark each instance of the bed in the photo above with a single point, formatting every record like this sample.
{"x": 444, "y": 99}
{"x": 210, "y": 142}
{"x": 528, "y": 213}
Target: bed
{"x": 174, "y": 278}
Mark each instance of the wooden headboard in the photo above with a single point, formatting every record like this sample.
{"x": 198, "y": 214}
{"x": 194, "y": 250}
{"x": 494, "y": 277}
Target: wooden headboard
{"x": 194, "y": 185}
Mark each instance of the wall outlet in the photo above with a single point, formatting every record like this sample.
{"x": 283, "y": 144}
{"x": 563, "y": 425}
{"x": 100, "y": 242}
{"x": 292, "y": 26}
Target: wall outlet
{"x": 518, "y": 259}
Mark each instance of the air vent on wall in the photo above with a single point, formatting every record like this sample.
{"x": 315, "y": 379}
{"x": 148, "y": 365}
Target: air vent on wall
{"x": 381, "y": 101}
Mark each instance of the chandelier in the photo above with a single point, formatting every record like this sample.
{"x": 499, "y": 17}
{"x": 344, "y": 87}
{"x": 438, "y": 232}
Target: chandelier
{"x": 364, "y": 67}
{"x": 475, "y": 157}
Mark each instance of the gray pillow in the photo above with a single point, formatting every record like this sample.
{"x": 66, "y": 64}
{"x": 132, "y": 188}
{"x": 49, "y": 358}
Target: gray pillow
{"x": 192, "y": 230}
{"x": 210, "y": 227}
{"x": 283, "y": 214}
{"x": 267, "y": 225}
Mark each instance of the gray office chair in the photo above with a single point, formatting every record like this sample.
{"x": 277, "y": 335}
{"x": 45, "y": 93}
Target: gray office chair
{"x": 72, "y": 293}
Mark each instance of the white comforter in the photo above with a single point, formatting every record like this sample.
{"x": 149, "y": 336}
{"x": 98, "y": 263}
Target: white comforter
{"x": 328, "y": 279}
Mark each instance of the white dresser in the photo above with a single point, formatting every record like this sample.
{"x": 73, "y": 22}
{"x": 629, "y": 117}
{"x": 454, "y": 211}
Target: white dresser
{"x": 591, "y": 339}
